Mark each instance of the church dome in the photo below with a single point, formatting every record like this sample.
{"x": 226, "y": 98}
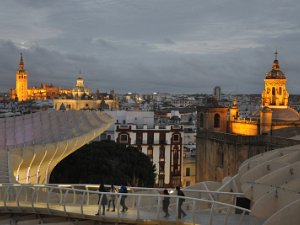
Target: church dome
{"x": 279, "y": 114}
{"x": 286, "y": 114}
{"x": 275, "y": 73}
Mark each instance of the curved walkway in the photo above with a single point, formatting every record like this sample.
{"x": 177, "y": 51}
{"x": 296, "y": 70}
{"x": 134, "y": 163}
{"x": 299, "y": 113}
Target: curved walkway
{"x": 144, "y": 208}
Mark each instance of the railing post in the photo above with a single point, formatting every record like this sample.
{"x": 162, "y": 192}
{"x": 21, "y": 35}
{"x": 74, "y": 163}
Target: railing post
{"x": 48, "y": 199}
{"x": 33, "y": 198}
{"x": 5, "y": 197}
{"x": 18, "y": 196}
{"x": 87, "y": 195}
{"x": 74, "y": 194}
{"x": 177, "y": 206}
{"x": 158, "y": 207}
{"x": 193, "y": 211}
{"x": 82, "y": 200}
{"x": 138, "y": 206}
{"x": 64, "y": 201}
{"x": 118, "y": 206}
{"x": 60, "y": 196}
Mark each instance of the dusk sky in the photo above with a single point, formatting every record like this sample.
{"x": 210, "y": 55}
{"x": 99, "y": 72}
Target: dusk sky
{"x": 176, "y": 46}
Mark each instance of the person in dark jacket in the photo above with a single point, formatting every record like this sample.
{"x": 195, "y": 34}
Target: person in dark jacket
{"x": 166, "y": 203}
{"x": 112, "y": 198}
{"x": 180, "y": 202}
{"x": 102, "y": 198}
{"x": 123, "y": 189}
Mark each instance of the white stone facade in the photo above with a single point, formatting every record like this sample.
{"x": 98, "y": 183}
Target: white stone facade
{"x": 163, "y": 145}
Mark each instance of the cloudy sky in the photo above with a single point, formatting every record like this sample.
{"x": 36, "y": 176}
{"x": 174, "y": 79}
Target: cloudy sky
{"x": 177, "y": 46}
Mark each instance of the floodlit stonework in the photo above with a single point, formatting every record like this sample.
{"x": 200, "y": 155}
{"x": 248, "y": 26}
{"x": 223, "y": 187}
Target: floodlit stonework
{"x": 33, "y": 144}
{"x": 224, "y": 140}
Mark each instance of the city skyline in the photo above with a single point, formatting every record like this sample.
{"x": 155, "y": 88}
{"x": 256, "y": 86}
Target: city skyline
{"x": 170, "y": 46}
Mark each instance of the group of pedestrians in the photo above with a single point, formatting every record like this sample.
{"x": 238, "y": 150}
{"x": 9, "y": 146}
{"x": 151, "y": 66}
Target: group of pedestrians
{"x": 166, "y": 203}
{"x": 103, "y": 201}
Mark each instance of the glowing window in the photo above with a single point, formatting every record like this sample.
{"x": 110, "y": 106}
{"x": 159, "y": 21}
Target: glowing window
{"x": 150, "y": 152}
{"x": 273, "y": 91}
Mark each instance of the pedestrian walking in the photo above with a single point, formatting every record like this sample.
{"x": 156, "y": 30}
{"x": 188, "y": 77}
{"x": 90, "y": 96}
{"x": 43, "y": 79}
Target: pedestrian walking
{"x": 123, "y": 190}
{"x": 180, "y": 202}
{"x": 112, "y": 198}
{"x": 166, "y": 203}
{"x": 102, "y": 198}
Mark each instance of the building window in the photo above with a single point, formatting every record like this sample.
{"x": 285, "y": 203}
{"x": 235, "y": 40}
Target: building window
{"x": 161, "y": 152}
{"x": 280, "y": 90}
{"x": 273, "y": 91}
{"x": 150, "y": 152}
{"x": 188, "y": 172}
{"x": 201, "y": 120}
{"x": 176, "y": 137}
{"x": 150, "y": 139}
{"x": 123, "y": 138}
{"x": 139, "y": 138}
{"x": 161, "y": 167}
{"x": 162, "y": 138}
{"x": 217, "y": 121}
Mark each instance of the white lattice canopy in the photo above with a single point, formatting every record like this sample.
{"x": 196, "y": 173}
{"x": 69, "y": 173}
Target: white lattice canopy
{"x": 32, "y": 145}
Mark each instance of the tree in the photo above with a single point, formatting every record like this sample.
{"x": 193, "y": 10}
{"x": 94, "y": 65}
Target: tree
{"x": 106, "y": 162}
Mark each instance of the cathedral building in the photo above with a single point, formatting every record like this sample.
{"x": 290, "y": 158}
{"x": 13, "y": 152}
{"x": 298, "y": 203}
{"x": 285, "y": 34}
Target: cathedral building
{"x": 224, "y": 140}
{"x": 82, "y": 98}
{"x": 23, "y": 93}
{"x": 80, "y": 89}
{"x": 77, "y": 98}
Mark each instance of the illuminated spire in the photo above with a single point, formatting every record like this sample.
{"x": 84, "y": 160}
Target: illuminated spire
{"x": 21, "y": 64}
{"x": 275, "y": 65}
{"x": 234, "y": 102}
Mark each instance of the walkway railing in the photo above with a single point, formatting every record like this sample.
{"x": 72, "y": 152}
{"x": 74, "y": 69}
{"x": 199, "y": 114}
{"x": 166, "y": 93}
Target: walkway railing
{"x": 81, "y": 203}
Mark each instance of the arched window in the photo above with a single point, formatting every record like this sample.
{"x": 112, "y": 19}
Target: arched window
{"x": 273, "y": 90}
{"x": 201, "y": 122}
{"x": 280, "y": 90}
{"x": 217, "y": 121}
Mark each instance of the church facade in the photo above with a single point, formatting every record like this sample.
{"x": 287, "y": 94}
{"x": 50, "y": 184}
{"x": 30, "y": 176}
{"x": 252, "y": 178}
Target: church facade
{"x": 224, "y": 140}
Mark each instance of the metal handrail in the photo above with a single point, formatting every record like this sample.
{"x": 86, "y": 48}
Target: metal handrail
{"x": 63, "y": 193}
{"x": 87, "y": 186}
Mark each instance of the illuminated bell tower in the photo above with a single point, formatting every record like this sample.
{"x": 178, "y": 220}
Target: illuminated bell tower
{"x": 21, "y": 81}
{"x": 275, "y": 94}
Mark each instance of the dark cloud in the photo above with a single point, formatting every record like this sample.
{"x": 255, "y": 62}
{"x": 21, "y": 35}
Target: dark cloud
{"x": 145, "y": 46}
